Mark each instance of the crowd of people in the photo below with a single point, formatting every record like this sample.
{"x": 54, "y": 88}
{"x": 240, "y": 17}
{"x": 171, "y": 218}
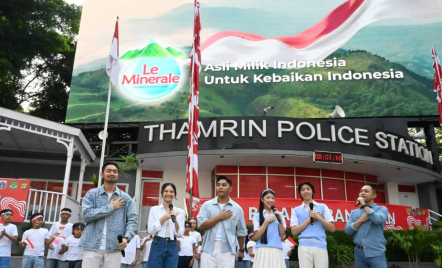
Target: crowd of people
{"x": 111, "y": 223}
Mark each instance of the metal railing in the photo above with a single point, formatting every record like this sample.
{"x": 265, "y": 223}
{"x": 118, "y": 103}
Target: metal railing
{"x": 49, "y": 204}
{"x": 436, "y": 214}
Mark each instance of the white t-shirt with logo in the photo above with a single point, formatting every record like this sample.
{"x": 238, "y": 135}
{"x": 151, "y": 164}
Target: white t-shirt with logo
{"x": 75, "y": 252}
{"x": 59, "y": 230}
{"x": 251, "y": 244}
{"x": 197, "y": 235}
{"x": 186, "y": 244}
{"x": 35, "y": 239}
{"x": 147, "y": 249}
{"x": 103, "y": 238}
{"x": 285, "y": 250}
{"x": 5, "y": 243}
{"x": 131, "y": 250}
{"x": 220, "y": 232}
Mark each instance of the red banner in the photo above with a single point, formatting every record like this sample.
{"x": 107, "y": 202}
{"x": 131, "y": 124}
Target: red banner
{"x": 399, "y": 217}
{"x": 14, "y": 195}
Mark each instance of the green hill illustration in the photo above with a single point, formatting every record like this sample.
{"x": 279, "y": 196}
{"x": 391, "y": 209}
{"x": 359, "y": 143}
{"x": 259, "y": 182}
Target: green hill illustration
{"x": 153, "y": 50}
{"x": 411, "y": 95}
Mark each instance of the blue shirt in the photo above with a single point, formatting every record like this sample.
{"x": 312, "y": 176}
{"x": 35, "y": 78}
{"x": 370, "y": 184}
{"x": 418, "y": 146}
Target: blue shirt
{"x": 233, "y": 227}
{"x": 96, "y": 209}
{"x": 370, "y": 235}
{"x": 273, "y": 239}
{"x": 314, "y": 234}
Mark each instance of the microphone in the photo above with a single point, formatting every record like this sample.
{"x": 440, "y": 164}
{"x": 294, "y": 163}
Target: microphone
{"x": 171, "y": 208}
{"x": 277, "y": 216}
{"x": 120, "y": 240}
{"x": 311, "y": 208}
{"x": 357, "y": 203}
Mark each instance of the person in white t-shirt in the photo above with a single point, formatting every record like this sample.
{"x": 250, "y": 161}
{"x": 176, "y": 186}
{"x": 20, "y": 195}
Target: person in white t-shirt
{"x": 197, "y": 235}
{"x": 58, "y": 233}
{"x": 8, "y": 233}
{"x": 132, "y": 252}
{"x": 145, "y": 245}
{"x": 71, "y": 249}
{"x": 251, "y": 247}
{"x": 33, "y": 241}
{"x": 187, "y": 248}
{"x": 286, "y": 250}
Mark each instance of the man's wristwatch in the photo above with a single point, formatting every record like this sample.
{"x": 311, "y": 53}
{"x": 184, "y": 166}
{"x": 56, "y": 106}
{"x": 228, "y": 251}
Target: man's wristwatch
{"x": 364, "y": 206}
{"x": 241, "y": 250}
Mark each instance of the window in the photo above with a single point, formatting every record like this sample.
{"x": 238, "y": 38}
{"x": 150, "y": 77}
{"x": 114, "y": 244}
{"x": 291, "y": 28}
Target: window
{"x": 251, "y": 185}
{"x": 333, "y": 189}
{"x": 284, "y": 186}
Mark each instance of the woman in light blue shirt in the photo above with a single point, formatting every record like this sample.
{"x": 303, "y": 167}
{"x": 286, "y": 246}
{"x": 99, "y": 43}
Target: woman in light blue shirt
{"x": 269, "y": 227}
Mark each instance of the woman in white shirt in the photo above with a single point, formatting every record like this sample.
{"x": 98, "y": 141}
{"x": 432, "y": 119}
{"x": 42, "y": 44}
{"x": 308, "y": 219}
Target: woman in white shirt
{"x": 166, "y": 223}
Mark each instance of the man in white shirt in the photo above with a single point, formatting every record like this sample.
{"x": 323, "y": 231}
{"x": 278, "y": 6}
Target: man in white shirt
{"x": 56, "y": 236}
{"x": 8, "y": 233}
{"x": 132, "y": 252}
{"x": 187, "y": 248}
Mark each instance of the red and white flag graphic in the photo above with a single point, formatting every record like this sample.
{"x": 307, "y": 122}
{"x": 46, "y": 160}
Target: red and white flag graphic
{"x": 320, "y": 40}
{"x": 27, "y": 241}
{"x": 437, "y": 82}
{"x": 192, "y": 139}
{"x": 112, "y": 62}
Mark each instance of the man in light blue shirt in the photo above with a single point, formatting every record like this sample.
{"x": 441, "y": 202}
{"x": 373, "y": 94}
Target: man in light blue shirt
{"x": 366, "y": 224}
{"x": 223, "y": 221}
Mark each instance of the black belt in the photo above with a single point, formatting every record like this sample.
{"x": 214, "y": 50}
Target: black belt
{"x": 359, "y": 247}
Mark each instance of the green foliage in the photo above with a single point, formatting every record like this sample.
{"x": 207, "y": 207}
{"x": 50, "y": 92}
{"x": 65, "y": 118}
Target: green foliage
{"x": 37, "y": 54}
{"x": 413, "y": 242}
{"x": 130, "y": 161}
{"x": 438, "y": 252}
{"x": 94, "y": 179}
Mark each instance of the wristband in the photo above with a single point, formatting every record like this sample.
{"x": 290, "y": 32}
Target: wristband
{"x": 241, "y": 250}
{"x": 364, "y": 206}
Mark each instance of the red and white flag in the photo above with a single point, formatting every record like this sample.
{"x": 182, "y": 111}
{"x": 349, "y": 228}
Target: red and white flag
{"x": 437, "y": 82}
{"x": 112, "y": 62}
{"x": 192, "y": 139}
{"x": 318, "y": 41}
{"x": 27, "y": 241}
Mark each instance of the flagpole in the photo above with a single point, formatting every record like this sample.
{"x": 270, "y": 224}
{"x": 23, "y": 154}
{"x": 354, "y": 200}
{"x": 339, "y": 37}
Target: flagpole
{"x": 103, "y": 147}
{"x": 190, "y": 203}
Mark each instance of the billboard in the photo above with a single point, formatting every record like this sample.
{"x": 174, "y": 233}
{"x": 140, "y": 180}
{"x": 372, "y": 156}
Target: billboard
{"x": 399, "y": 217}
{"x": 373, "y": 58}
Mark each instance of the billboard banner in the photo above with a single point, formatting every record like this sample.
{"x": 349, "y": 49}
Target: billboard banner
{"x": 373, "y": 58}
{"x": 399, "y": 217}
{"x": 14, "y": 196}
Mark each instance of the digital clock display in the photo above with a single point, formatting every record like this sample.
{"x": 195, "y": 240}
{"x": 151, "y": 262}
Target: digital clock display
{"x": 327, "y": 157}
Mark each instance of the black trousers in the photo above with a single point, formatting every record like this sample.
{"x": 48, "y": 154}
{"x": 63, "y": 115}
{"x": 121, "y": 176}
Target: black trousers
{"x": 184, "y": 261}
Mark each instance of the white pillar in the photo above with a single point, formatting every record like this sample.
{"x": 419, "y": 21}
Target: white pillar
{"x": 138, "y": 189}
{"x": 392, "y": 193}
{"x": 80, "y": 179}
{"x": 67, "y": 173}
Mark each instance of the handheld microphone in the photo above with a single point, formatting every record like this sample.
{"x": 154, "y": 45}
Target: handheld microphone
{"x": 120, "y": 240}
{"x": 277, "y": 216}
{"x": 171, "y": 208}
{"x": 357, "y": 203}
{"x": 311, "y": 208}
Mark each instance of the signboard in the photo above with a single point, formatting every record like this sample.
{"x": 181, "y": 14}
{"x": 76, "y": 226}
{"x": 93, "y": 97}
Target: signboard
{"x": 300, "y": 57}
{"x": 399, "y": 217}
{"x": 14, "y": 196}
{"x": 384, "y": 138}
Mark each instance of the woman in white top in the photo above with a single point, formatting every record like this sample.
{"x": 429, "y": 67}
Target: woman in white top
{"x": 166, "y": 223}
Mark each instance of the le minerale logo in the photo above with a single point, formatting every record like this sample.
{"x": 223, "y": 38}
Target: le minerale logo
{"x": 152, "y": 72}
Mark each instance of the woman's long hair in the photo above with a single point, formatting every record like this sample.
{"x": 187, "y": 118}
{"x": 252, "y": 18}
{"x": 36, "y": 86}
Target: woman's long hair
{"x": 261, "y": 215}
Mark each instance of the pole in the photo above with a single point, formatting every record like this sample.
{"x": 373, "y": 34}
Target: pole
{"x": 103, "y": 147}
{"x": 190, "y": 203}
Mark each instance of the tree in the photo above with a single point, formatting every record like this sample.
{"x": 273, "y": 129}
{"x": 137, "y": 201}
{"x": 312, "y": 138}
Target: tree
{"x": 37, "y": 54}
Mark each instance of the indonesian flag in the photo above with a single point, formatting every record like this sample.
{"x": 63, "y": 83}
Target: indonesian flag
{"x": 437, "y": 82}
{"x": 290, "y": 241}
{"x": 192, "y": 139}
{"x": 320, "y": 40}
{"x": 112, "y": 62}
{"x": 27, "y": 241}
